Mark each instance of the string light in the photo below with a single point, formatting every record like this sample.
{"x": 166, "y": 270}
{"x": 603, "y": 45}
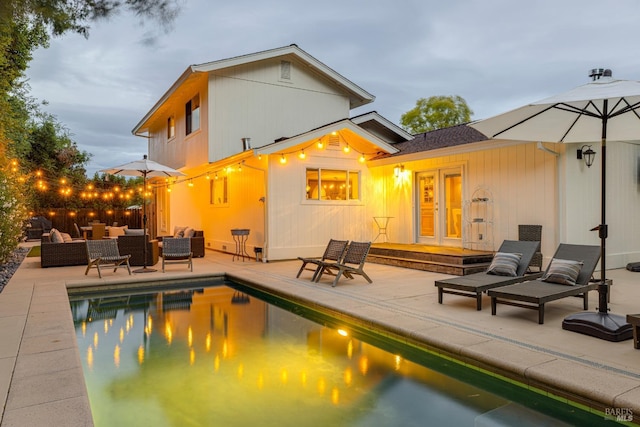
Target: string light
{"x": 283, "y": 159}
{"x": 302, "y": 155}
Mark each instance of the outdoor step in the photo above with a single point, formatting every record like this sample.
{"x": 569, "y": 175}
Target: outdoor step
{"x": 458, "y": 269}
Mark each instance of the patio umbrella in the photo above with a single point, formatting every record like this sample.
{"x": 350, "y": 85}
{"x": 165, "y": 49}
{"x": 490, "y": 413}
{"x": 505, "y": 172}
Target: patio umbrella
{"x": 604, "y": 108}
{"x": 144, "y": 168}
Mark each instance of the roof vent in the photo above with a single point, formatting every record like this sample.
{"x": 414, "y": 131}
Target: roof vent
{"x": 596, "y": 73}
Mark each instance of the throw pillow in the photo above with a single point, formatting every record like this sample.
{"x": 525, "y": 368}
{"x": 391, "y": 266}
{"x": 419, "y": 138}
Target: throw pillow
{"x": 56, "y": 236}
{"x": 134, "y": 232}
{"x": 117, "y": 231}
{"x": 66, "y": 237}
{"x": 189, "y": 232}
{"x": 178, "y": 232}
{"x": 504, "y": 264}
{"x": 563, "y": 271}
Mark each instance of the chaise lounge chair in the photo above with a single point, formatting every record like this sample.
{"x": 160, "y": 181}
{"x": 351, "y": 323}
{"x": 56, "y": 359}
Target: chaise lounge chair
{"x": 352, "y": 263}
{"x": 473, "y": 285}
{"x": 534, "y": 294}
{"x": 332, "y": 253}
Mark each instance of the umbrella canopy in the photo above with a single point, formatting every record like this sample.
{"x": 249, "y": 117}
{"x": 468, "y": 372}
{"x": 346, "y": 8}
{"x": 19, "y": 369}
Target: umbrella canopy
{"x": 573, "y": 116}
{"x": 603, "y": 109}
{"x": 144, "y": 168}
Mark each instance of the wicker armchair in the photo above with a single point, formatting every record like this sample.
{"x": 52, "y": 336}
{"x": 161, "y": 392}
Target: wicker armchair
{"x": 105, "y": 253}
{"x": 177, "y": 251}
{"x": 132, "y": 245}
{"x": 532, "y": 233}
{"x": 197, "y": 243}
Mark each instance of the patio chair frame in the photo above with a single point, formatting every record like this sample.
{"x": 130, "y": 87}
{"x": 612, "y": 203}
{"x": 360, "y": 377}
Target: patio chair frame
{"x": 333, "y": 253}
{"x": 177, "y": 250}
{"x": 534, "y": 294}
{"x": 474, "y": 285}
{"x": 351, "y": 264}
{"x": 105, "y": 253}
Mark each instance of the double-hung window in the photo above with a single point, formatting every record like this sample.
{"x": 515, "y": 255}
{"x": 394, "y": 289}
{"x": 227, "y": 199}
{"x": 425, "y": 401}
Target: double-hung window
{"x": 332, "y": 184}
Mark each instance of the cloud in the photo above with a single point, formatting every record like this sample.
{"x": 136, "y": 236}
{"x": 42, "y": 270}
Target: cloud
{"x": 497, "y": 54}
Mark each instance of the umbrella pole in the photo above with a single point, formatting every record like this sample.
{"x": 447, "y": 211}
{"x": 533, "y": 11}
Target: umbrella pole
{"x": 601, "y": 324}
{"x": 144, "y": 268}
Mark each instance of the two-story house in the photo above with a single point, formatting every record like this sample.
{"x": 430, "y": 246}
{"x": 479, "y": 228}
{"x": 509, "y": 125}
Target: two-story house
{"x": 267, "y": 144}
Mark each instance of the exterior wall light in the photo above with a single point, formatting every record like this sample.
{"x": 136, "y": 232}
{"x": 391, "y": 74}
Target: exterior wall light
{"x": 587, "y": 154}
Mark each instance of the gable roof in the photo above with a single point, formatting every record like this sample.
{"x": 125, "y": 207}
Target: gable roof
{"x": 379, "y": 125}
{"x": 440, "y": 138}
{"x": 357, "y": 96}
{"x": 286, "y": 143}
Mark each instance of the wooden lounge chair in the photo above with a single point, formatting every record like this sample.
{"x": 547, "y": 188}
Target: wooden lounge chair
{"x": 352, "y": 263}
{"x": 177, "y": 251}
{"x": 105, "y": 252}
{"x": 534, "y": 294}
{"x": 473, "y": 285}
{"x": 332, "y": 253}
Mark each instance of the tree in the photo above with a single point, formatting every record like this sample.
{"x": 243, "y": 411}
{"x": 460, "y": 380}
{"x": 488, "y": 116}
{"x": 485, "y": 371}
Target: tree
{"x": 437, "y": 112}
{"x": 26, "y": 25}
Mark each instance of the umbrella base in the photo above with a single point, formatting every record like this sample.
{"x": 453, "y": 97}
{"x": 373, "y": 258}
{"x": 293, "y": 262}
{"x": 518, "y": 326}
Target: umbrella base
{"x": 610, "y": 327}
{"x": 145, "y": 270}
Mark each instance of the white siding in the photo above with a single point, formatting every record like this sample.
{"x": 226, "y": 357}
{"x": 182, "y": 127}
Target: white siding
{"x": 583, "y": 207}
{"x": 298, "y": 227}
{"x": 182, "y": 151}
{"x": 251, "y": 101}
{"x": 521, "y": 178}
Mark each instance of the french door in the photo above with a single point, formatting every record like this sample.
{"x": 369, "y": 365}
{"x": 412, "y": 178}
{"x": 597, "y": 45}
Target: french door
{"x": 439, "y": 207}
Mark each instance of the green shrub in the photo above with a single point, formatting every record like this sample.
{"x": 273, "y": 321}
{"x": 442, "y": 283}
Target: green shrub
{"x": 13, "y": 215}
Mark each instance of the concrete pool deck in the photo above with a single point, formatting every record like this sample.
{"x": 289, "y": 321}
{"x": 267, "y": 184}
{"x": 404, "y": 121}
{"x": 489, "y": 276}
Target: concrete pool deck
{"x": 41, "y": 379}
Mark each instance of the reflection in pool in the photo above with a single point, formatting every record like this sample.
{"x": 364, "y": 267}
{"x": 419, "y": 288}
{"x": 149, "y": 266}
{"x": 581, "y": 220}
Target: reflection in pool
{"x": 217, "y": 356}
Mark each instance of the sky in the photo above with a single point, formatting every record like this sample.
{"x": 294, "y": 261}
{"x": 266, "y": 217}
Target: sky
{"x": 496, "y": 54}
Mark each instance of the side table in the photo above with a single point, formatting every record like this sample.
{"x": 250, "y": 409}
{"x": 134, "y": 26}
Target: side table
{"x": 382, "y": 222}
{"x": 240, "y": 236}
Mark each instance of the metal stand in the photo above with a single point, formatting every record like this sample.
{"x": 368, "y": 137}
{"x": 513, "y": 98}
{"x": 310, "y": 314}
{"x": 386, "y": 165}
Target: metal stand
{"x": 382, "y": 222}
{"x": 144, "y": 268}
{"x": 240, "y": 236}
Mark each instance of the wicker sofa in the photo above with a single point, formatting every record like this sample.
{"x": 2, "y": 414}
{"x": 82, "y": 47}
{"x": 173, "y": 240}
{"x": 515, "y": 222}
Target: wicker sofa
{"x": 129, "y": 244}
{"x": 62, "y": 254}
{"x": 197, "y": 243}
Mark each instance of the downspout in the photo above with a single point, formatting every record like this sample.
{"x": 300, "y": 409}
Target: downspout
{"x": 263, "y": 199}
{"x": 560, "y": 197}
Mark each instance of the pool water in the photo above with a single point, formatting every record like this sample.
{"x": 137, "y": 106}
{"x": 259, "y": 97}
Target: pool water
{"x": 221, "y": 356}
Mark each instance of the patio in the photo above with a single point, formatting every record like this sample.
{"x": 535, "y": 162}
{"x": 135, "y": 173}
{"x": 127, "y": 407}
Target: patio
{"x": 41, "y": 379}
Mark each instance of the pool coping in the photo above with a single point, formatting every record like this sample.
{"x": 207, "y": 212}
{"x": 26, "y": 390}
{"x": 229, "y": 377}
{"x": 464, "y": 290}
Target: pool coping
{"x": 41, "y": 378}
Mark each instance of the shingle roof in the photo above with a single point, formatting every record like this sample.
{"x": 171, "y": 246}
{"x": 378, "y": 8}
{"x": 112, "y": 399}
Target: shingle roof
{"x": 441, "y": 138}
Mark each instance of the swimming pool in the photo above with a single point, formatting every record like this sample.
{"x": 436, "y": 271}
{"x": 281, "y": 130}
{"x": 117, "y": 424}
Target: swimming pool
{"x": 230, "y": 355}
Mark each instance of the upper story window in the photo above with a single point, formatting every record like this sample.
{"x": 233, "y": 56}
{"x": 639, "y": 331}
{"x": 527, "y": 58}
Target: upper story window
{"x": 332, "y": 184}
{"x": 192, "y": 114}
{"x": 171, "y": 127}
